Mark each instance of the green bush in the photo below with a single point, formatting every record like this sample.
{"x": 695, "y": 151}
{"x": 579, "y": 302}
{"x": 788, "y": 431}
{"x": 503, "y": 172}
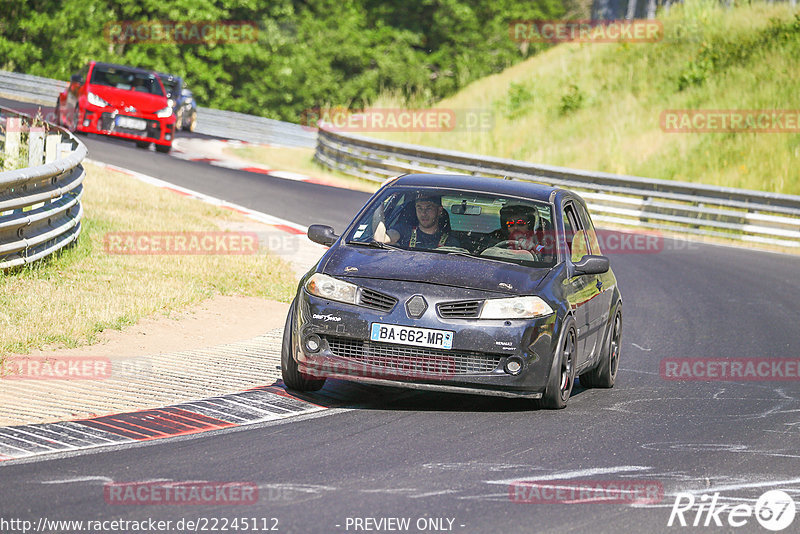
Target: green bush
{"x": 308, "y": 54}
{"x": 571, "y": 101}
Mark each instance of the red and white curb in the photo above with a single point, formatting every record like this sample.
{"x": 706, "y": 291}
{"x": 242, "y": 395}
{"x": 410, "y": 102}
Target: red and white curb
{"x": 262, "y": 404}
{"x": 212, "y": 152}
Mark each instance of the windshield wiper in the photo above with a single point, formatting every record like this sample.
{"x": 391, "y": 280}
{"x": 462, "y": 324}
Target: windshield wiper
{"x": 468, "y": 255}
{"x": 374, "y": 244}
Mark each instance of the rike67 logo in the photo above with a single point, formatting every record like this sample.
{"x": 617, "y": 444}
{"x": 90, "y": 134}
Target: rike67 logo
{"x": 774, "y": 510}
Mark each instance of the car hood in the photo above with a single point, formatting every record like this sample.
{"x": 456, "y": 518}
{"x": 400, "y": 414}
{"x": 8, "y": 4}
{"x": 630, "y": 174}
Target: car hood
{"x": 434, "y": 268}
{"x": 121, "y": 98}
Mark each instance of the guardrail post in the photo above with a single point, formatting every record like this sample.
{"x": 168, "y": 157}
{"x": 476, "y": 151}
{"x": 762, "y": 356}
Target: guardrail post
{"x": 12, "y": 144}
{"x": 51, "y": 148}
{"x": 35, "y": 146}
{"x": 64, "y": 149}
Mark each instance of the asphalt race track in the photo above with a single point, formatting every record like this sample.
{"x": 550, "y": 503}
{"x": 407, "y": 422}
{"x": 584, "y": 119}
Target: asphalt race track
{"x": 385, "y": 453}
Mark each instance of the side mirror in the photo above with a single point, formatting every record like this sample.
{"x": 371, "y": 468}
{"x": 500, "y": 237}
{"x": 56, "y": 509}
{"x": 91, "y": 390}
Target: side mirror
{"x": 322, "y": 234}
{"x": 590, "y": 264}
{"x": 75, "y": 78}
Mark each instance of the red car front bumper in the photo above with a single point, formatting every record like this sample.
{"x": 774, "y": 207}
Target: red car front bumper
{"x": 134, "y": 126}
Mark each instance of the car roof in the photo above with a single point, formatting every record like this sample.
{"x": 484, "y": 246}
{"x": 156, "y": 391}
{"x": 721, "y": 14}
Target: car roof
{"x": 485, "y": 184}
{"x": 125, "y": 67}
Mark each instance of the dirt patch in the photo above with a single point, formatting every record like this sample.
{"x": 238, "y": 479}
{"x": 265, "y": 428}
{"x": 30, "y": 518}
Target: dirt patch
{"x": 216, "y": 321}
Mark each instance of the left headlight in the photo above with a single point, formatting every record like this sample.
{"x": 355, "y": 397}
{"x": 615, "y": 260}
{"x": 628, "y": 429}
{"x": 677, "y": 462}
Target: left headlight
{"x": 164, "y": 113}
{"x": 515, "y": 308}
{"x": 331, "y": 288}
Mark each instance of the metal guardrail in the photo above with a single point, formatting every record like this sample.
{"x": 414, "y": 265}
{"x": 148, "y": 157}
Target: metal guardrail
{"x": 225, "y": 124}
{"x": 665, "y": 205}
{"x": 40, "y": 209}
{"x": 232, "y": 125}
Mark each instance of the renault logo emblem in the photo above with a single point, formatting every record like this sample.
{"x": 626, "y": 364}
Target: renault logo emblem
{"x": 416, "y": 306}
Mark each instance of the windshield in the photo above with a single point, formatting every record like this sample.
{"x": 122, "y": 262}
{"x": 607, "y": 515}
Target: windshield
{"x": 127, "y": 80}
{"x": 482, "y": 225}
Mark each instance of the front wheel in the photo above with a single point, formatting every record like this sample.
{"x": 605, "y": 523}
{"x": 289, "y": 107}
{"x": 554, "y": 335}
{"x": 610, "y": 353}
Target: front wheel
{"x": 163, "y": 148}
{"x": 57, "y": 113}
{"x": 562, "y": 377}
{"x": 605, "y": 374}
{"x": 292, "y": 376}
{"x": 192, "y": 123}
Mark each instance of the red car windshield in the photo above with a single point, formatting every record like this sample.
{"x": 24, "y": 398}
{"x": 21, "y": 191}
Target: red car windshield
{"x": 127, "y": 80}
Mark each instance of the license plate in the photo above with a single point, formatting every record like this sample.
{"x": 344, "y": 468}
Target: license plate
{"x": 131, "y": 123}
{"x": 411, "y": 335}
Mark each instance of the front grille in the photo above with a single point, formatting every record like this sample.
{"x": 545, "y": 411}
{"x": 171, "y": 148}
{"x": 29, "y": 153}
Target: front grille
{"x": 152, "y": 131}
{"x": 403, "y": 360}
{"x": 375, "y": 300}
{"x": 457, "y": 310}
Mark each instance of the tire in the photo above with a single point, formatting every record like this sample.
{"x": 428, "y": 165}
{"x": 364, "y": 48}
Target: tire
{"x": 164, "y": 149}
{"x": 142, "y": 144}
{"x": 562, "y": 375}
{"x": 56, "y": 113}
{"x": 292, "y": 377}
{"x": 192, "y": 123}
{"x": 605, "y": 374}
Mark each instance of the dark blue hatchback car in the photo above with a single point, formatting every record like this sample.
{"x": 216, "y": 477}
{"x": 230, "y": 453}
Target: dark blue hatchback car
{"x": 462, "y": 284}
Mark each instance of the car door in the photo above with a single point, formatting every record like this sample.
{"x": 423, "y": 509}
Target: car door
{"x": 599, "y": 308}
{"x": 580, "y": 288}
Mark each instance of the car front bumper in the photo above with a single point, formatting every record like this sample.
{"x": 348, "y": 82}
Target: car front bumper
{"x": 97, "y": 120}
{"x": 476, "y": 363}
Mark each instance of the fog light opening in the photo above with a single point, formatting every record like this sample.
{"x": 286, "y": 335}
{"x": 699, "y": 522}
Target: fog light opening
{"x": 313, "y": 343}
{"x": 513, "y": 365}
{"x": 86, "y": 122}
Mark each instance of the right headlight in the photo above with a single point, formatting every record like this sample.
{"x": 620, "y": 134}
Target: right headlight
{"x": 328, "y": 287}
{"x": 96, "y": 100}
{"x": 515, "y": 308}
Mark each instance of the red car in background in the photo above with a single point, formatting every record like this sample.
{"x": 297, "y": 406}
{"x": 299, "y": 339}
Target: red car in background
{"x": 120, "y": 101}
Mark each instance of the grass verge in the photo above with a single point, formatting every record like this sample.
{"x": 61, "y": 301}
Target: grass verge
{"x": 598, "y": 106}
{"x": 68, "y": 299}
